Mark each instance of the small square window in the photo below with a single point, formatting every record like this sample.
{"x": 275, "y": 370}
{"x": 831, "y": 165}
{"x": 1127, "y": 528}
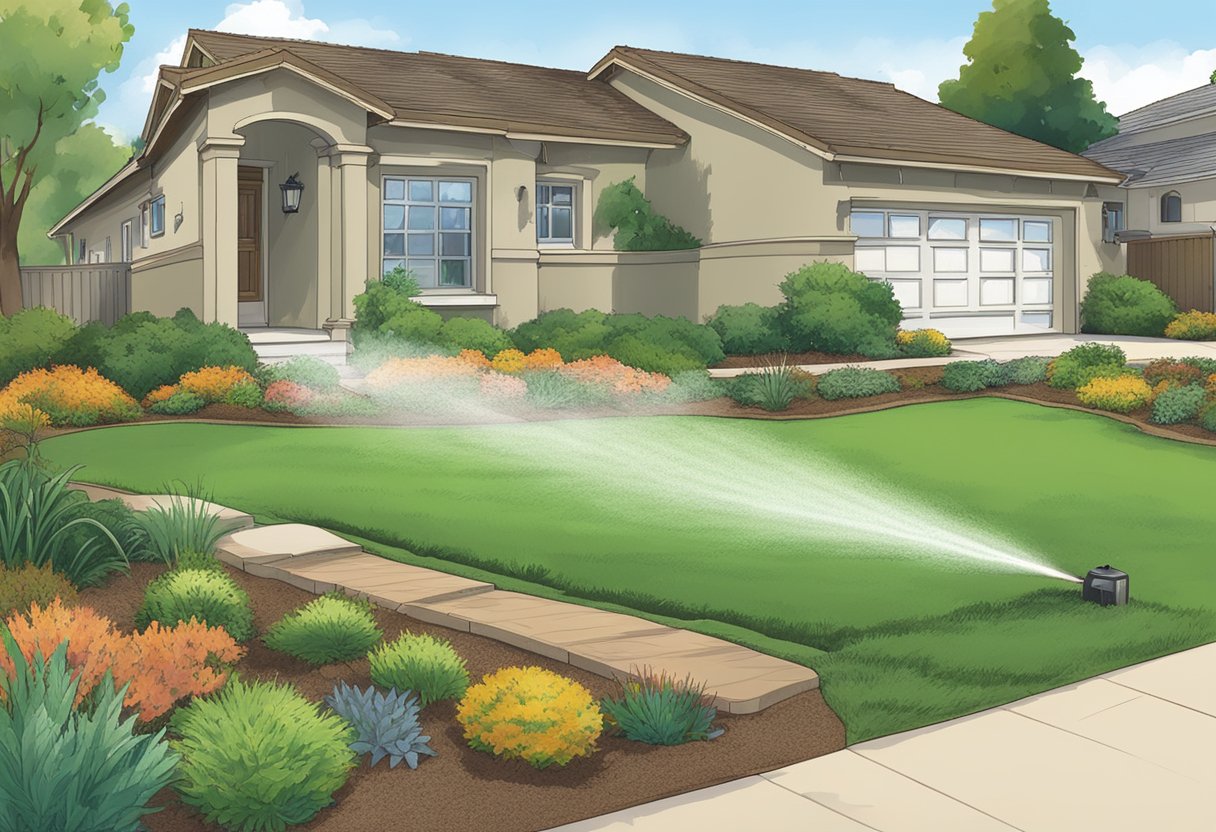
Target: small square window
{"x": 422, "y": 190}
{"x": 394, "y": 189}
{"x": 868, "y": 223}
{"x": 394, "y": 217}
{"x": 454, "y": 219}
{"x": 947, "y": 228}
{"x": 158, "y": 216}
{"x": 455, "y": 191}
{"x": 453, "y": 272}
{"x": 1034, "y": 231}
{"x": 904, "y": 226}
{"x": 999, "y": 231}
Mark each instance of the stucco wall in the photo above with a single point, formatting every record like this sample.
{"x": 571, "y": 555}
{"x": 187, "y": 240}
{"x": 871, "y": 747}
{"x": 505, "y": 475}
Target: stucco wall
{"x": 1198, "y": 207}
{"x": 166, "y": 283}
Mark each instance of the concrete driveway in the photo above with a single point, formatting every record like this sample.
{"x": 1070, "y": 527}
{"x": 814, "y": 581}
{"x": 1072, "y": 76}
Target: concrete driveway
{"x": 1130, "y": 750}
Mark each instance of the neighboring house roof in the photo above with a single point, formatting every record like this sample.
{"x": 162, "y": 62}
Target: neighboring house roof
{"x": 849, "y": 118}
{"x": 1160, "y": 163}
{"x": 433, "y": 89}
{"x": 1195, "y": 103}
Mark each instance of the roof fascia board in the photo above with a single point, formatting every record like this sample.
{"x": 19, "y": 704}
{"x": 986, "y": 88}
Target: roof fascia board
{"x": 964, "y": 168}
{"x": 1169, "y": 183}
{"x": 114, "y": 181}
{"x": 148, "y": 126}
{"x": 528, "y": 136}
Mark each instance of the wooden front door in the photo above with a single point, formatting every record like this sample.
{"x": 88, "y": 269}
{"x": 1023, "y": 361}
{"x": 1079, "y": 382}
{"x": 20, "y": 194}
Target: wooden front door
{"x": 249, "y": 235}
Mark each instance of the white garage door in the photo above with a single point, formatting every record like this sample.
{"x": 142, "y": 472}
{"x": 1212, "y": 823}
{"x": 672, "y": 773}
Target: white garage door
{"x": 963, "y": 273}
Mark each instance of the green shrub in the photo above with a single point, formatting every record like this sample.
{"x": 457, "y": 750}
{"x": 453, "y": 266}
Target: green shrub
{"x": 1124, "y": 305}
{"x": 1030, "y": 369}
{"x": 420, "y": 663}
{"x": 964, "y": 377}
{"x": 38, "y": 515}
{"x": 181, "y": 403}
{"x": 692, "y": 386}
{"x": 774, "y": 388}
{"x": 1176, "y": 405}
{"x": 333, "y": 628}
{"x": 208, "y": 595}
{"x": 386, "y": 725}
{"x": 1083, "y": 363}
{"x": 386, "y": 308}
{"x": 638, "y": 227}
{"x": 750, "y": 329}
{"x": 402, "y": 281}
{"x": 198, "y": 560}
{"x": 995, "y": 373}
{"x": 117, "y": 518}
{"x": 183, "y": 523}
{"x": 856, "y": 383}
{"x": 1207, "y": 417}
{"x": 304, "y": 370}
{"x": 259, "y": 756}
{"x": 32, "y": 338}
{"x": 830, "y": 308}
{"x": 660, "y": 710}
{"x": 29, "y": 584}
{"x": 414, "y": 325}
{"x": 474, "y": 334}
{"x": 244, "y": 394}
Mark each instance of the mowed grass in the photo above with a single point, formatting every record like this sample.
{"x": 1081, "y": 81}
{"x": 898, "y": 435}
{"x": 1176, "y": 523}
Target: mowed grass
{"x": 705, "y": 523}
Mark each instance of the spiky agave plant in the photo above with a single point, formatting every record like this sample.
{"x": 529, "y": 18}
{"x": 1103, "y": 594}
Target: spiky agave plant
{"x": 387, "y": 724}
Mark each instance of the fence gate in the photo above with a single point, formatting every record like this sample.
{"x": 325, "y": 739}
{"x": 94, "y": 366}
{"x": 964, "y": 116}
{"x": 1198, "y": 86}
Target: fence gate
{"x": 1182, "y": 267}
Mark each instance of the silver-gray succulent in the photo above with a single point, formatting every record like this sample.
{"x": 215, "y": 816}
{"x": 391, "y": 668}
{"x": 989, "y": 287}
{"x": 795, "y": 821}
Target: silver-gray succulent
{"x": 387, "y": 724}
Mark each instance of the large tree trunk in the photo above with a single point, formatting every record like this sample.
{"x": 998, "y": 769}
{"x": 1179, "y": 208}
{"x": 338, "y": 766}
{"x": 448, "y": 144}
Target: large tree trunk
{"x": 10, "y": 271}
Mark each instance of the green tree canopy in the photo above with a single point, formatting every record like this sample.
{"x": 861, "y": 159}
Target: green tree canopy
{"x": 1021, "y": 76}
{"x": 54, "y": 51}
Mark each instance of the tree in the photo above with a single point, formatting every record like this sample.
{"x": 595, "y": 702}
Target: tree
{"x": 83, "y": 161}
{"x": 54, "y": 51}
{"x": 1021, "y": 76}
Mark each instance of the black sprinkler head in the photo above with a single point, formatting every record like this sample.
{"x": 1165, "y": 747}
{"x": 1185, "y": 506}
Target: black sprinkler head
{"x": 1105, "y": 585}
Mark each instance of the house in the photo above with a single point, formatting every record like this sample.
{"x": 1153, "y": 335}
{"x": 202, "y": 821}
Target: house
{"x": 482, "y": 178}
{"x": 1168, "y": 151}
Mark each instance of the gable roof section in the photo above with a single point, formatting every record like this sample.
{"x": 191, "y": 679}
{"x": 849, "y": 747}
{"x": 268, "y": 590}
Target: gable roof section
{"x": 430, "y": 89}
{"x": 1161, "y": 163}
{"x": 849, "y": 119}
{"x": 1195, "y": 103}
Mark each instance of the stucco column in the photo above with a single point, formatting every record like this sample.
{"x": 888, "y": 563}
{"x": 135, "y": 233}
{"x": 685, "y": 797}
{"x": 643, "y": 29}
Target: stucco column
{"x": 349, "y": 218}
{"x": 219, "y": 163}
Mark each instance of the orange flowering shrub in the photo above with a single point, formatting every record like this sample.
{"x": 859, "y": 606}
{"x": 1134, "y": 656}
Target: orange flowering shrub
{"x": 1211, "y": 385}
{"x": 287, "y": 395}
{"x": 69, "y": 396}
{"x": 396, "y": 371}
{"x": 621, "y": 378}
{"x": 509, "y": 361}
{"x": 474, "y": 358}
{"x": 499, "y": 386}
{"x": 213, "y": 384}
{"x": 544, "y": 358}
{"x": 160, "y": 665}
{"x": 160, "y": 394}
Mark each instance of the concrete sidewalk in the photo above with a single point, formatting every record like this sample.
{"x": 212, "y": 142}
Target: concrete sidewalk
{"x": 1009, "y": 348}
{"x": 1130, "y": 750}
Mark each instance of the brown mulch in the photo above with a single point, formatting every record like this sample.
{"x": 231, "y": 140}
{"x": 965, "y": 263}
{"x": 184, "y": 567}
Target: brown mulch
{"x": 463, "y": 789}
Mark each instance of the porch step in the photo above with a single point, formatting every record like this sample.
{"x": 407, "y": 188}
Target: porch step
{"x": 274, "y": 346}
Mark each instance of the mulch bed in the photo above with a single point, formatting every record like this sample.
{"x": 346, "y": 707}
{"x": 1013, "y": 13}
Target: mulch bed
{"x": 462, "y": 789}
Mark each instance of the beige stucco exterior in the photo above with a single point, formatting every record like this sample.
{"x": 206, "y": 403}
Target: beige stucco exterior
{"x": 762, "y": 204}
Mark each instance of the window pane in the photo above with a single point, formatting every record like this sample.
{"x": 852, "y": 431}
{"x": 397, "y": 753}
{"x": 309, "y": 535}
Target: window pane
{"x": 1036, "y": 259}
{"x": 870, "y": 259}
{"x": 455, "y": 191}
{"x": 454, "y": 245}
{"x": 905, "y": 225}
{"x": 421, "y": 218}
{"x": 947, "y": 228}
{"x": 542, "y": 194}
{"x": 563, "y": 195}
{"x": 424, "y": 272}
{"x": 453, "y": 272}
{"x": 454, "y": 219}
{"x": 394, "y": 244}
{"x": 1036, "y": 232}
{"x": 562, "y": 225}
{"x": 903, "y": 259}
{"x": 422, "y": 191}
{"x": 394, "y": 217}
{"x": 995, "y": 292}
{"x": 867, "y": 223}
{"x": 422, "y": 245}
{"x": 998, "y": 231}
{"x": 394, "y": 189}
{"x": 389, "y": 265}
{"x": 996, "y": 259}
{"x": 949, "y": 259}
{"x": 542, "y": 223}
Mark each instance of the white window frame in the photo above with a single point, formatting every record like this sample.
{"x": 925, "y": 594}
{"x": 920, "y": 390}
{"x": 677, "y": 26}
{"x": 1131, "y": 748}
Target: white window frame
{"x": 126, "y": 240}
{"x": 157, "y": 200}
{"x": 437, "y": 257}
{"x": 145, "y": 225}
{"x": 550, "y": 240}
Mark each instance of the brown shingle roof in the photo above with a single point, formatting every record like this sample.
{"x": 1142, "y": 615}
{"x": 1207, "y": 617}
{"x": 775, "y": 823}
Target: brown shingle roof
{"x": 444, "y": 89}
{"x": 850, "y": 116}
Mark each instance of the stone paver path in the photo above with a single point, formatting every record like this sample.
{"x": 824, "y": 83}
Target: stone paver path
{"x": 232, "y": 518}
{"x": 611, "y": 644}
{"x": 1130, "y": 750}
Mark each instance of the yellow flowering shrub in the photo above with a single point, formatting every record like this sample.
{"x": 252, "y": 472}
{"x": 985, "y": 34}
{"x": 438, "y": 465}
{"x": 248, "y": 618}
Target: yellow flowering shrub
{"x": 922, "y": 343}
{"x": 1122, "y": 394}
{"x": 160, "y": 394}
{"x": 531, "y": 714}
{"x": 67, "y": 396}
{"x": 214, "y": 384}
{"x": 1192, "y": 326}
{"x": 545, "y": 358}
{"x": 509, "y": 361}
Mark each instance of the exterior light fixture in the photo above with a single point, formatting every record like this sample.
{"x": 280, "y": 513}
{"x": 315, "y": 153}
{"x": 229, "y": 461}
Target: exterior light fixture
{"x": 521, "y": 193}
{"x": 292, "y": 189}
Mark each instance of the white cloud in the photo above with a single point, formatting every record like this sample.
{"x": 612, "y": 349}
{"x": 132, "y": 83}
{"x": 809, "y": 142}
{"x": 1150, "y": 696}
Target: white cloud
{"x": 1127, "y": 78}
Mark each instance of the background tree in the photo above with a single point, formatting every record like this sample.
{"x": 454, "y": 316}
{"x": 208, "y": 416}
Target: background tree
{"x": 1021, "y": 76}
{"x": 53, "y": 50}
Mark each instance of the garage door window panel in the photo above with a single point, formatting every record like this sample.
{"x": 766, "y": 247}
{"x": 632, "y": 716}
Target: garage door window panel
{"x": 903, "y": 258}
{"x": 1036, "y": 231}
{"x": 1036, "y": 290}
{"x": 996, "y": 292}
{"x": 868, "y": 223}
{"x": 868, "y": 260}
{"x": 997, "y": 260}
{"x": 998, "y": 231}
{"x": 949, "y": 260}
{"x": 949, "y": 293}
{"x": 904, "y": 227}
{"x": 947, "y": 228}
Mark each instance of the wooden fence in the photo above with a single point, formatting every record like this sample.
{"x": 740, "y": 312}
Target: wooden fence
{"x": 1182, "y": 267}
{"x": 86, "y": 292}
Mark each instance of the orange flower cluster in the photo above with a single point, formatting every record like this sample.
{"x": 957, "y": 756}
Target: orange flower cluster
{"x": 67, "y": 395}
{"x": 1211, "y": 385}
{"x": 160, "y": 665}
{"x": 160, "y": 394}
{"x": 622, "y": 378}
{"x": 474, "y": 358}
{"x": 214, "y": 384}
{"x": 396, "y": 371}
{"x": 500, "y": 386}
{"x": 515, "y": 361}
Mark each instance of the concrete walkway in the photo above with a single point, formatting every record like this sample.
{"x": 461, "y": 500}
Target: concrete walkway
{"x": 1130, "y": 750}
{"x": 1011, "y": 347}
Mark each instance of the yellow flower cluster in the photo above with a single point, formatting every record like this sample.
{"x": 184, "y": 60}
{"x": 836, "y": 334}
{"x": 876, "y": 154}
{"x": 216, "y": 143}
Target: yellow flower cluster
{"x": 160, "y": 394}
{"x": 1122, "y": 394}
{"x": 66, "y": 395}
{"x": 508, "y": 361}
{"x": 923, "y": 342}
{"x": 515, "y": 361}
{"x": 213, "y": 384}
{"x": 531, "y": 714}
{"x": 1192, "y": 326}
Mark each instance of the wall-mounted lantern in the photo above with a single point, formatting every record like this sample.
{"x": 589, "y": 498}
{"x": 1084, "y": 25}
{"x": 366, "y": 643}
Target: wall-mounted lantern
{"x": 292, "y": 189}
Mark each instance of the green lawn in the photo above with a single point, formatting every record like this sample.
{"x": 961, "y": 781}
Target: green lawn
{"x": 710, "y": 524}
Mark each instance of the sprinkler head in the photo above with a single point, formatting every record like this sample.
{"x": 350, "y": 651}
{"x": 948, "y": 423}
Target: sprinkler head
{"x": 1105, "y": 585}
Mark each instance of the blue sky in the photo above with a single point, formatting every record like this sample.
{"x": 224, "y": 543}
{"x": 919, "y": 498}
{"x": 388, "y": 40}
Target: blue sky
{"x": 1133, "y": 57}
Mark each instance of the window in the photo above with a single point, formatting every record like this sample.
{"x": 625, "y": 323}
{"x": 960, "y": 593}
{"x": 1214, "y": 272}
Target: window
{"x": 1171, "y": 207}
{"x": 82, "y": 251}
{"x": 901, "y": 226}
{"x": 126, "y": 242}
{"x": 868, "y": 223}
{"x": 554, "y": 213}
{"x": 144, "y": 233}
{"x": 999, "y": 231}
{"x": 428, "y": 229}
{"x": 158, "y": 216}
{"x": 1112, "y": 221}
{"x": 947, "y": 228}
{"x": 1034, "y": 231}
